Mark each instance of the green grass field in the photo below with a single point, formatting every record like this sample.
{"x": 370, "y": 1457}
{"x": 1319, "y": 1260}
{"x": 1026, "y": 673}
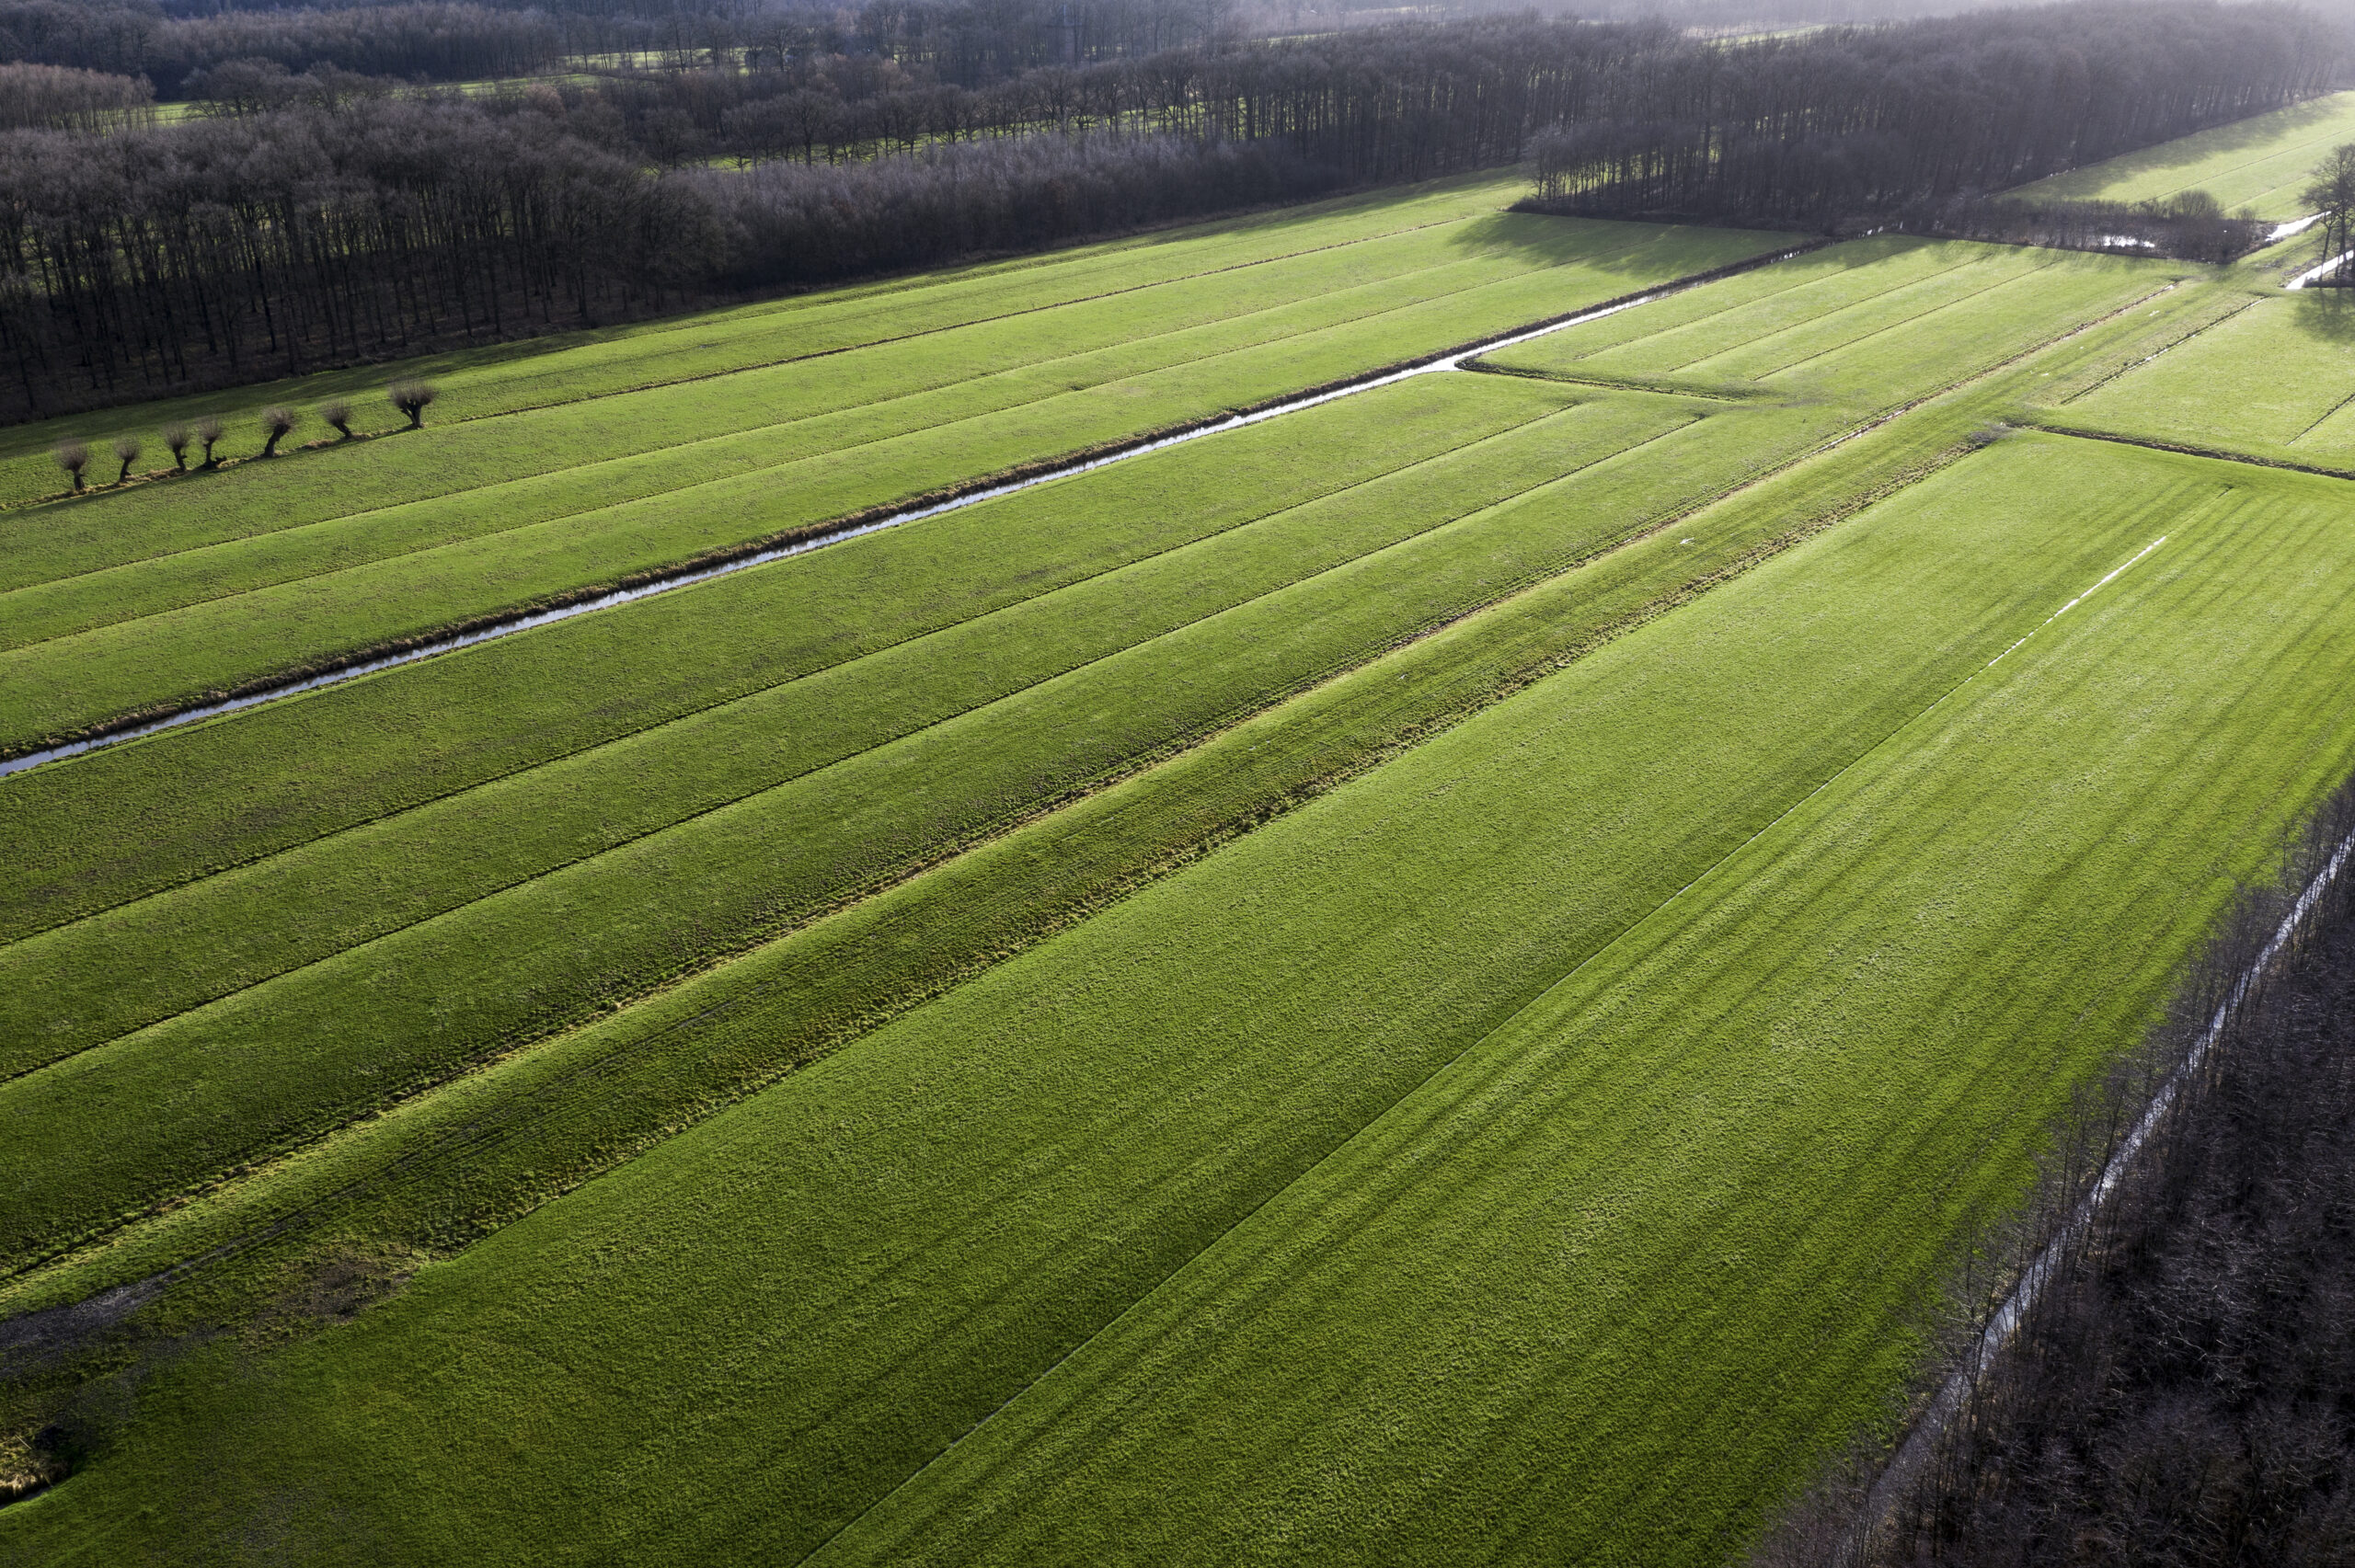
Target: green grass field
{"x": 498, "y": 913}
{"x": 133, "y": 601}
{"x": 1059, "y": 1166}
{"x": 1436, "y": 979}
{"x": 2265, "y": 163}
{"x": 2275, "y": 380}
{"x": 1868, "y": 324}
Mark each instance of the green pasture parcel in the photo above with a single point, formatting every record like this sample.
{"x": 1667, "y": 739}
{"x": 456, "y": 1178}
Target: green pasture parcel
{"x": 1064, "y": 1263}
{"x": 2275, "y": 380}
{"x": 1339, "y": 991}
{"x": 492, "y": 916}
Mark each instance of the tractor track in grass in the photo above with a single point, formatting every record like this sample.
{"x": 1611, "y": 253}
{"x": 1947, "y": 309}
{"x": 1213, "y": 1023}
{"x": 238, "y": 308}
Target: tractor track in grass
{"x": 730, "y": 559}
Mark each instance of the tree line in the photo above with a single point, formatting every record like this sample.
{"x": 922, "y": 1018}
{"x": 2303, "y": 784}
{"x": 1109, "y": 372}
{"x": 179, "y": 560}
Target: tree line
{"x": 2181, "y": 1392}
{"x": 1860, "y": 120}
{"x": 340, "y": 224}
{"x": 433, "y": 39}
{"x": 966, "y": 43}
{"x": 205, "y": 433}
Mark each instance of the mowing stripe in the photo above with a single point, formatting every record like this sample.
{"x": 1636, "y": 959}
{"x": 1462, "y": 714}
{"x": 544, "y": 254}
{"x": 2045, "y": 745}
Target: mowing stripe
{"x": 1451, "y": 359}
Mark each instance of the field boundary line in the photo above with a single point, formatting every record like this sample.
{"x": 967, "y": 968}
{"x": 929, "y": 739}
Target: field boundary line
{"x": 2169, "y": 347}
{"x": 2320, "y": 419}
{"x": 2186, "y": 448}
{"x": 2027, "y": 275}
{"x": 726, "y": 560}
{"x": 1953, "y": 267}
{"x": 1365, "y": 1128}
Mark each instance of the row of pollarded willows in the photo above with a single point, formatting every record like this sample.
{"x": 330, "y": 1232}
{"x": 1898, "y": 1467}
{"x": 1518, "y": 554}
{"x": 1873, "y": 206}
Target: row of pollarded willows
{"x": 2179, "y": 1390}
{"x": 206, "y": 432}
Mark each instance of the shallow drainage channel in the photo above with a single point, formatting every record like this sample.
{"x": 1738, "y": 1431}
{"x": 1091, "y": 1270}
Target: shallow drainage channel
{"x": 1453, "y": 360}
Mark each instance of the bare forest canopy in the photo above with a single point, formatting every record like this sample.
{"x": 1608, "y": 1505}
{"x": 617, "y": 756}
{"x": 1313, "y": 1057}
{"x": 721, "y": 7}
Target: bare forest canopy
{"x": 342, "y": 224}
{"x": 1858, "y": 122}
{"x": 963, "y": 43}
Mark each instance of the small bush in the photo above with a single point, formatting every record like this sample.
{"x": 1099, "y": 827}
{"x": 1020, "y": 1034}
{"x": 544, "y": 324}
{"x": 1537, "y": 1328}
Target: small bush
{"x": 412, "y": 398}
{"x": 73, "y": 457}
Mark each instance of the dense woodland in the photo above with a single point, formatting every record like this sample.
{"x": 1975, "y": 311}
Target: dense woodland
{"x": 1874, "y": 119}
{"x": 2181, "y": 1392}
{"x": 323, "y": 217}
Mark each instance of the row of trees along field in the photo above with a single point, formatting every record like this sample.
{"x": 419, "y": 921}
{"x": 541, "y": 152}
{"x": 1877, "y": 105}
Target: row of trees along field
{"x": 352, "y": 225}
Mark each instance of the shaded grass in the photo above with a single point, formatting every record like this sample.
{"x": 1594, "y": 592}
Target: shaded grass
{"x": 827, "y": 1285}
{"x": 2262, "y": 162}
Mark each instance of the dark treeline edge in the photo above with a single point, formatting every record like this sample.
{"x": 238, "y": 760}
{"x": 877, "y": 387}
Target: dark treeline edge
{"x": 1834, "y": 125}
{"x": 2180, "y": 1387}
{"x": 359, "y": 226}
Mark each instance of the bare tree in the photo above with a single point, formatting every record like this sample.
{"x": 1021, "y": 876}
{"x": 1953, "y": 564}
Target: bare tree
{"x": 127, "y": 449}
{"x": 209, "y": 428}
{"x": 412, "y": 398}
{"x": 176, "y": 438}
{"x": 73, "y": 457}
{"x": 276, "y": 419}
{"x": 338, "y": 413}
{"x": 2332, "y": 194}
